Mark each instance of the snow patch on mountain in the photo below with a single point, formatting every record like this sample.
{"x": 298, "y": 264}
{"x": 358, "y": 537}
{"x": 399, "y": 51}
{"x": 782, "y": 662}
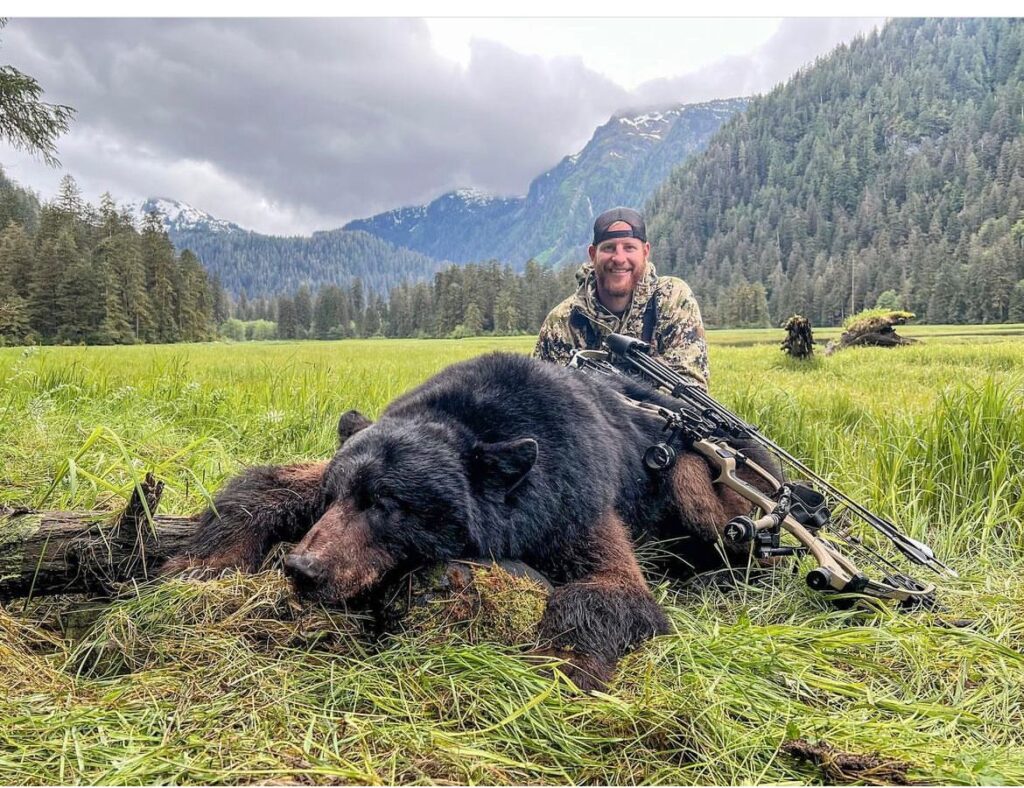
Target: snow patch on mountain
{"x": 182, "y": 216}
{"x": 472, "y": 196}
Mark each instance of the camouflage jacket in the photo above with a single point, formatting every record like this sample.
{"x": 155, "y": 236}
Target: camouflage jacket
{"x": 663, "y": 311}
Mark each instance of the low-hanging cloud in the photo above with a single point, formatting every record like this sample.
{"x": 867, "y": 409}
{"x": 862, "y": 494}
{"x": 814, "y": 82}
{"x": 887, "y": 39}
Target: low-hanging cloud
{"x": 796, "y": 43}
{"x": 287, "y": 126}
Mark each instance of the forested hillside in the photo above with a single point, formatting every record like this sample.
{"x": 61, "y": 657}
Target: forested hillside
{"x": 896, "y": 163}
{"x": 267, "y": 265}
{"x": 71, "y": 273}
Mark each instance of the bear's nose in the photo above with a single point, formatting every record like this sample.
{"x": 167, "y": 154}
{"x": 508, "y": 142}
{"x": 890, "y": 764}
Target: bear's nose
{"x": 302, "y": 568}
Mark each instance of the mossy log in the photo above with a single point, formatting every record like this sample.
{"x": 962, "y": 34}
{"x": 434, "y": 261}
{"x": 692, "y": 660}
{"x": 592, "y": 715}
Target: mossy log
{"x": 45, "y": 553}
{"x": 873, "y": 329}
{"x": 57, "y": 552}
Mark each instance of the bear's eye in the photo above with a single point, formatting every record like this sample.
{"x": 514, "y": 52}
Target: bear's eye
{"x": 383, "y": 499}
{"x": 375, "y": 498}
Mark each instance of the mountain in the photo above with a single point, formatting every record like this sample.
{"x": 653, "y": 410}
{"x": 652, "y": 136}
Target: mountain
{"x": 459, "y": 225}
{"x": 265, "y": 265}
{"x": 895, "y": 163}
{"x": 622, "y": 164}
{"x": 180, "y": 217}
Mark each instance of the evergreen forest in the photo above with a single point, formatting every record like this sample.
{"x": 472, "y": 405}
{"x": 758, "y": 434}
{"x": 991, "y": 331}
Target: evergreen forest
{"x": 273, "y": 265}
{"x": 461, "y": 301}
{"x": 893, "y": 167}
{"x": 71, "y": 273}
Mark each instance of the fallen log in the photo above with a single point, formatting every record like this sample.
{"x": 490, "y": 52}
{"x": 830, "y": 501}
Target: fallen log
{"x": 46, "y": 553}
{"x": 49, "y": 553}
{"x": 873, "y": 329}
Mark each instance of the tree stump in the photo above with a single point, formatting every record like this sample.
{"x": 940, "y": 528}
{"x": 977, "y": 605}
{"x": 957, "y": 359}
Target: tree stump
{"x": 799, "y": 341}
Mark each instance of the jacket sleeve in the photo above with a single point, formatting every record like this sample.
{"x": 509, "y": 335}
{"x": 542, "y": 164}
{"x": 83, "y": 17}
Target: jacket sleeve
{"x": 543, "y": 349}
{"x": 554, "y": 341}
{"x": 683, "y": 345}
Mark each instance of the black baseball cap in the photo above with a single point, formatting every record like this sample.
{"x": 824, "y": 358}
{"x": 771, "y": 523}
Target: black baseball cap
{"x": 637, "y": 228}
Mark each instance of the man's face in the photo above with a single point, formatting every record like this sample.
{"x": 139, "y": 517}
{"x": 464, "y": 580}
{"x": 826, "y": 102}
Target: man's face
{"x": 619, "y": 263}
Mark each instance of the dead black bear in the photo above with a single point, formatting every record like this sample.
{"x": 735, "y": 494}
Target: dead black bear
{"x": 501, "y": 457}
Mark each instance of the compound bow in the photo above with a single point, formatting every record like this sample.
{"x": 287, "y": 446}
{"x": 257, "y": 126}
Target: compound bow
{"x": 820, "y": 522}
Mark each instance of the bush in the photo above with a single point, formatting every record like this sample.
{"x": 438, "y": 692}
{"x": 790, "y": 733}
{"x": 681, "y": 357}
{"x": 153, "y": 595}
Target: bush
{"x": 889, "y": 300}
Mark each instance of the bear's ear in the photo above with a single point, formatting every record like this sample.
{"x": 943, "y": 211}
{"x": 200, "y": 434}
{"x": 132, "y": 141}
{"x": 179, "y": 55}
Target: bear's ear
{"x": 502, "y": 466}
{"x": 351, "y": 422}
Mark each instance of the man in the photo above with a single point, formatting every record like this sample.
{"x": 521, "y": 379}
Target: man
{"x": 620, "y": 292}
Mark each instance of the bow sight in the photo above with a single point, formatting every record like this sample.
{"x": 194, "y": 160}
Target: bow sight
{"x": 819, "y": 517}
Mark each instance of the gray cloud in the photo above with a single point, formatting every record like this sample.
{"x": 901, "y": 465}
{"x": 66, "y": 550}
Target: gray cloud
{"x": 796, "y": 43}
{"x": 294, "y": 125}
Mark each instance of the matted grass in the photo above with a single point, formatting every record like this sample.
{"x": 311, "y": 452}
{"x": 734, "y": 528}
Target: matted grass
{"x": 235, "y": 681}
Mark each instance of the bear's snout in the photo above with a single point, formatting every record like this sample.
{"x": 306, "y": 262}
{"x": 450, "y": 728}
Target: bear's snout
{"x": 338, "y": 558}
{"x": 304, "y": 571}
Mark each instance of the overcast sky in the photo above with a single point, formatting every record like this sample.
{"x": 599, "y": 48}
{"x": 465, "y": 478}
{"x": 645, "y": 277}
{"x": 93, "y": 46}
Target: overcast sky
{"x": 288, "y": 126}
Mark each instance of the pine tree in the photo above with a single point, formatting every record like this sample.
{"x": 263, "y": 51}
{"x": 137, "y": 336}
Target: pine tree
{"x": 324, "y": 311}
{"x": 26, "y": 122}
{"x": 161, "y": 274}
{"x": 243, "y": 309}
{"x": 221, "y": 301}
{"x": 286, "y": 324}
{"x": 473, "y": 321}
{"x": 303, "y": 312}
{"x": 81, "y": 301}
{"x": 357, "y": 304}
{"x": 68, "y": 202}
{"x": 15, "y": 257}
{"x": 1016, "y": 309}
{"x": 506, "y": 312}
{"x": 372, "y": 321}
{"x": 116, "y": 255}
{"x": 54, "y": 249}
{"x": 194, "y": 300}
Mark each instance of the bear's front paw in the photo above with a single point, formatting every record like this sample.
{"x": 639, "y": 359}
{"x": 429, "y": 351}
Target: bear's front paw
{"x": 587, "y": 672}
{"x": 189, "y": 567}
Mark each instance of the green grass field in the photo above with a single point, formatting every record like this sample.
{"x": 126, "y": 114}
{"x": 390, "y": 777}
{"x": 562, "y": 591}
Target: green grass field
{"x": 231, "y": 682}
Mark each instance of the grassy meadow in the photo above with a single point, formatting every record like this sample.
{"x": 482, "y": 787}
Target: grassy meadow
{"x": 233, "y": 681}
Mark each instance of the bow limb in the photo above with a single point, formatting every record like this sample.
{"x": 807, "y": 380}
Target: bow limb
{"x": 835, "y": 572}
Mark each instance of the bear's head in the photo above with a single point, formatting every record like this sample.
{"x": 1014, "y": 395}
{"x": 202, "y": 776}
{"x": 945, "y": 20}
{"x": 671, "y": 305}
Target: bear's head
{"x": 402, "y": 493}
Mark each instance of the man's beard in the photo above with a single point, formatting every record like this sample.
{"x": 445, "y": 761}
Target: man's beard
{"x": 621, "y": 286}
